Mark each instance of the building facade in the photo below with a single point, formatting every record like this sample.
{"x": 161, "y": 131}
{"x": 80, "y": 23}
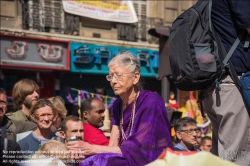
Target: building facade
{"x": 61, "y": 50}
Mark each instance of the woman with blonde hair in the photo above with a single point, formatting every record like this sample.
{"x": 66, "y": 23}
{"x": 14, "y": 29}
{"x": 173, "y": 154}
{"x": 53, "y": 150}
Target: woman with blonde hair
{"x": 52, "y": 153}
{"x": 42, "y": 113}
{"x": 59, "y": 105}
{"x": 52, "y": 148}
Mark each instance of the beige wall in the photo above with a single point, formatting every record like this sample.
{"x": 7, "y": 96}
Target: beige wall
{"x": 174, "y": 8}
{"x": 11, "y": 14}
{"x": 168, "y": 10}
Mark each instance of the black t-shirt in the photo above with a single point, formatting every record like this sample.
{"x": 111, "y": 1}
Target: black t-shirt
{"x": 6, "y": 156}
{"x": 229, "y": 18}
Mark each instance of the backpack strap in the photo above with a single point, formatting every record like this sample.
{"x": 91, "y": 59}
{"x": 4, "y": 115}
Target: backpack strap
{"x": 227, "y": 63}
{"x": 232, "y": 71}
{"x": 246, "y": 45}
{"x": 230, "y": 52}
{"x": 209, "y": 14}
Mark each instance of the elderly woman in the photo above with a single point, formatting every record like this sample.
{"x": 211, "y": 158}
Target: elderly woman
{"x": 42, "y": 113}
{"x": 140, "y": 127}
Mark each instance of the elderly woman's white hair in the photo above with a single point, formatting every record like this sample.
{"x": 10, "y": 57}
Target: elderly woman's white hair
{"x": 128, "y": 60}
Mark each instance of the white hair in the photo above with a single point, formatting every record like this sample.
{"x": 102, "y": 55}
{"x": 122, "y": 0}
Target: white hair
{"x": 126, "y": 59}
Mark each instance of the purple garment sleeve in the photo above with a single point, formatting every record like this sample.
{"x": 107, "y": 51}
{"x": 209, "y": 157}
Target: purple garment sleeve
{"x": 151, "y": 130}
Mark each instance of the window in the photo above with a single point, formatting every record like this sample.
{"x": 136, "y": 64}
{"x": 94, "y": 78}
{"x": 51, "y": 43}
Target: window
{"x": 141, "y": 25}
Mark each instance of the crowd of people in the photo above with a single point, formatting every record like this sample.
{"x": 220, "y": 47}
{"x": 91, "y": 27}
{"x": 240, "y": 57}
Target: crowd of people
{"x": 140, "y": 126}
{"x": 41, "y": 128}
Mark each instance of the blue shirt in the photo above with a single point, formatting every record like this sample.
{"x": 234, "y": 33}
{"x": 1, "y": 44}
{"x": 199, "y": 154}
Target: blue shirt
{"x": 31, "y": 143}
{"x": 229, "y": 18}
{"x": 180, "y": 147}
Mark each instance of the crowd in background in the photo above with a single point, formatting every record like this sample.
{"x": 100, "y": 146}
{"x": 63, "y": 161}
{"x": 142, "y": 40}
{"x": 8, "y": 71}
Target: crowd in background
{"x": 41, "y": 128}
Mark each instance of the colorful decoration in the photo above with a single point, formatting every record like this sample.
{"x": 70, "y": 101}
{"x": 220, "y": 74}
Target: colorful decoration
{"x": 83, "y": 95}
{"x": 191, "y": 109}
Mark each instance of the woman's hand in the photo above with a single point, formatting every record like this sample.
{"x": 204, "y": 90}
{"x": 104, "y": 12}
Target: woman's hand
{"x": 88, "y": 149}
{"x": 74, "y": 156}
{"x": 85, "y": 148}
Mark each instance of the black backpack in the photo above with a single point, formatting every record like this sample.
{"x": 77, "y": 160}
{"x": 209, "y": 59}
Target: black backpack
{"x": 194, "y": 50}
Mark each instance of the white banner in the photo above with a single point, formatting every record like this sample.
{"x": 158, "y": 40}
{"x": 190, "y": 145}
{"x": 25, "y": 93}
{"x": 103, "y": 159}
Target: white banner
{"x": 106, "y": 10}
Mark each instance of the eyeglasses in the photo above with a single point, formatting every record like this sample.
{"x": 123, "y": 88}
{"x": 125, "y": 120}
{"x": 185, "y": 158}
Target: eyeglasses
{"x": 42, "y": 116}
{"x": 3, "y": 103}
{"x": 118, "y": 77}
{"x": 190, "y": 131}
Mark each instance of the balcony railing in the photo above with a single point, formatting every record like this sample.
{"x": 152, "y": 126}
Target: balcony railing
{"x": 49, "y": 16}
{"x": 138, "y": 31}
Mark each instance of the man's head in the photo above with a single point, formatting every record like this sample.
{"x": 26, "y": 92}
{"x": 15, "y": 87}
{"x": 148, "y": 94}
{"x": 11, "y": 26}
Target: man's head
{"x": 92, "y": 110}
{"x": 187, "y": 132}
{"x": 3, "y": 103}
{"x": 25, "y": 92}
{"x": 71, "y": 126}
{"x": 206, "y": 143}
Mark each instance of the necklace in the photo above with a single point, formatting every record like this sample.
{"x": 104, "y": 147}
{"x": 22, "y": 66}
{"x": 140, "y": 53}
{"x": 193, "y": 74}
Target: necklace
{"x": 128, "y": 132}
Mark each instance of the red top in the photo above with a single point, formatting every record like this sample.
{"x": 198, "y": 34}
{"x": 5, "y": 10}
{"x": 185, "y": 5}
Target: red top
{"x": 94, "y": 135}
{"x": 173, "y": 106}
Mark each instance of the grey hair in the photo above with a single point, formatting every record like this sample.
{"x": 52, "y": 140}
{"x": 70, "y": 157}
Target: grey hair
{"x": 128, "y": 60}
{"x": 182, "y": 122}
